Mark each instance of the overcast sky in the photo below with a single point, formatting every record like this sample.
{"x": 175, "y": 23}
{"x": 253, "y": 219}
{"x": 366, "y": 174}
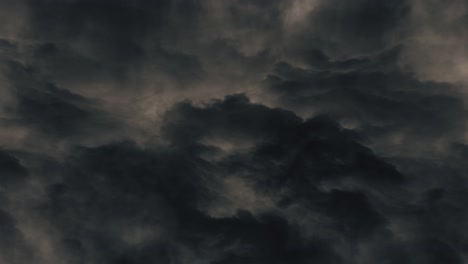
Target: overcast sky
{"x": 233, "y": 131}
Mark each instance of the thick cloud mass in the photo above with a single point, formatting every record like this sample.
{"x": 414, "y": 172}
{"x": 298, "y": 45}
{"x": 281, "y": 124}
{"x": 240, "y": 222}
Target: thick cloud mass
{"x": 225, "y": 132}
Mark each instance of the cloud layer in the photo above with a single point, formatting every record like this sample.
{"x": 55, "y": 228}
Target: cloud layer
{"x": 222, "y": 132}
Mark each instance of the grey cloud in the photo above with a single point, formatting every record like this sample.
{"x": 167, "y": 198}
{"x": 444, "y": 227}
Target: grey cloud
{"x": 51, "y": 110}
{"x": 11, "y": 169}
{"x": 251, "y": 131}
{"x": 381, "y": 100}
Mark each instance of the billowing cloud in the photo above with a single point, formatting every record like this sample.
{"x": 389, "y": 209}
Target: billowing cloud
{"x": 246, "y": 131}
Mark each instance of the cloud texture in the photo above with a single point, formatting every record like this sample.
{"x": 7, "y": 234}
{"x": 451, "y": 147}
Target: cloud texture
{"x": 225, "y": 132}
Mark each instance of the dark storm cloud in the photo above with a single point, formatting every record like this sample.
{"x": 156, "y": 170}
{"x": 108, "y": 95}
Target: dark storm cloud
{"x": 246, "y": 131}
{"x": 371, "y": 94}
{"x": 154, "y": 212}
{"x": 142, "y": 196}
{"x": 7, "y": 49}
{"x": 12, "y": 247}
{"x": 81, "y": 42}
{"x": 317, "y": 148}
{"x": 294, "y": 161}
{"x": 11, "y": 169}
{"x": 157, "y": 200}
{"x": 234, "y": 116}
{"x": 297, "y": 163}
{"x": 51, "y": 110}
{"x": 268, "y": 238}
{"x": 348, "y": 28}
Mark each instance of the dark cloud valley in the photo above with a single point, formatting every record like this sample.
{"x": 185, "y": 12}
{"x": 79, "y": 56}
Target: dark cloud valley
{"x": 222, "y": 132}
